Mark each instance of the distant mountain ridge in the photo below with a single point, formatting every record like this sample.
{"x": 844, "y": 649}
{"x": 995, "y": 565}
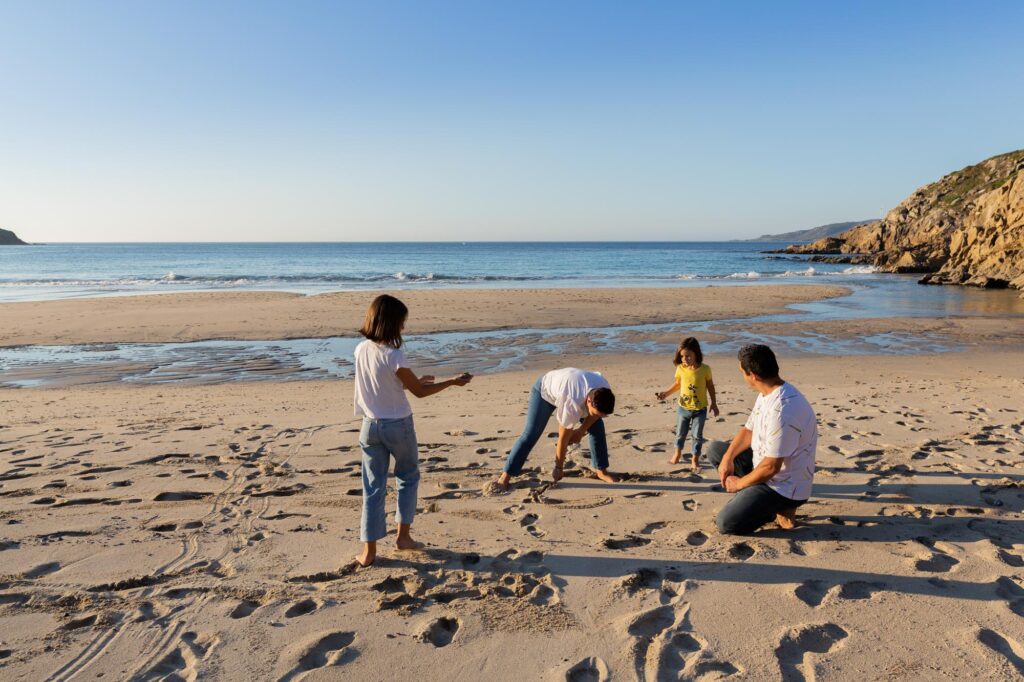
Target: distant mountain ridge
{"x": 812, "y": 233}
{"x": 8, "y": 238}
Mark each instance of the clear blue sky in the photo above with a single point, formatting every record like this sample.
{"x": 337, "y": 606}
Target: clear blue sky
{"x": 482, "y": 120}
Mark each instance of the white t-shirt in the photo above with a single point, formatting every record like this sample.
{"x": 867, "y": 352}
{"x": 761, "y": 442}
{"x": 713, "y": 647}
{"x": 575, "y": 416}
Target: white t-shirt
{"x": 784, "y": 426}
{"x": 379, "y": 393}
{"x": 567, "y": 390}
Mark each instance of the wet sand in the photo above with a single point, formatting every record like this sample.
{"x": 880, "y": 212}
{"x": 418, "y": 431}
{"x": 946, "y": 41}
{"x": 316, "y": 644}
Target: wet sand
{"x": 275, "y": 315}
{"x": 163, "y": 531}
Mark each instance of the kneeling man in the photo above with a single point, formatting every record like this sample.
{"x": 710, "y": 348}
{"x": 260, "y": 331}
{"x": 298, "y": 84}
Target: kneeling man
{"x": 770, "y": 463}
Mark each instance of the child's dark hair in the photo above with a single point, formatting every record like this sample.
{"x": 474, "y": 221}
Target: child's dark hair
{"x": 604, "y": 400}
{"x": 691, "y": 344}
{"x": 384, "y": 319}
{"x": 760, "y": 360}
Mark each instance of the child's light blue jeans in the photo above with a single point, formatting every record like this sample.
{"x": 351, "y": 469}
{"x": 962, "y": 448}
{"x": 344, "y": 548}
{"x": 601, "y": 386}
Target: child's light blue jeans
{"x": 380, "y": 440}
{"x": 692, "y": 422}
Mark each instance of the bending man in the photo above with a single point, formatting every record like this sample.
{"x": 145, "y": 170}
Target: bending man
{"x": 579, "y": 400}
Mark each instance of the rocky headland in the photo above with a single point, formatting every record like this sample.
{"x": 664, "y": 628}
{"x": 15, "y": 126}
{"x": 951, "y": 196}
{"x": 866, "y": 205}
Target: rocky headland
{"x": 8, "y": 238}
{"x": 967, "y": 228}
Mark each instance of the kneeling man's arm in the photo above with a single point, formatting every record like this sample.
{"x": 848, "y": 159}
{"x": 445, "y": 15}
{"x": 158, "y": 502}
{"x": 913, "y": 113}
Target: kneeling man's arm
{"x": 764, "y": 471}
{"x": 740, "y": 442}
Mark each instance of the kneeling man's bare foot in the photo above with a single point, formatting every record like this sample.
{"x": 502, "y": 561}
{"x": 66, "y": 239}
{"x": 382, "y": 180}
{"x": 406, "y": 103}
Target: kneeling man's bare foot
{"x": 786, "y": 519}
{"x": 606, "y": 476}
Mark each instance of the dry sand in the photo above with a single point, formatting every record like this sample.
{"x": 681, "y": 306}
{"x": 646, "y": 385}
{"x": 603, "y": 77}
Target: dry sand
{"x": 275, "y": 315}
{"x": 172, "y": 532}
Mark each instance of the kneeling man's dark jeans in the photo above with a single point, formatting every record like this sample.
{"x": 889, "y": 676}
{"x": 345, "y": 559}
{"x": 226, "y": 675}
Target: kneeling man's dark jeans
{"x": 752, "y": 507}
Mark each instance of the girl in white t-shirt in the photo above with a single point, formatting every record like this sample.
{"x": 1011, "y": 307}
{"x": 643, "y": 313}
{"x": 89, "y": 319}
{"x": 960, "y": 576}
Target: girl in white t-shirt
{"x": 382, "y": 376}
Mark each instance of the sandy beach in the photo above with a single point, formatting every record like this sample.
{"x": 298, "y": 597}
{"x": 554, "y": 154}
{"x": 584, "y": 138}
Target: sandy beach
{"x": 177, "y": 532}
{"x": 276, "y": 315}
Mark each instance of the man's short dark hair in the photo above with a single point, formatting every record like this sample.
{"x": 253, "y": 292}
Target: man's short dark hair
{"x": 604, "y": 400}
{"x": 760, "y": 360}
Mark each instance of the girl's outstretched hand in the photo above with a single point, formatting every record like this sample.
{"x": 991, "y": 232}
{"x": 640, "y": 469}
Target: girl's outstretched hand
{"x": 462, "y": 379}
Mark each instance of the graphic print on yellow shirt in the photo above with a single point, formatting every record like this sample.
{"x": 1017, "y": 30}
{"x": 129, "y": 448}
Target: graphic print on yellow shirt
{"x": 693, "y": 386}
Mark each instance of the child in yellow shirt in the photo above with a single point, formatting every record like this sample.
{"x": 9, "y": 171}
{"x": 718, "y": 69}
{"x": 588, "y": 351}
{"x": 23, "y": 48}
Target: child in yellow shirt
{"x": 693, "y": 381}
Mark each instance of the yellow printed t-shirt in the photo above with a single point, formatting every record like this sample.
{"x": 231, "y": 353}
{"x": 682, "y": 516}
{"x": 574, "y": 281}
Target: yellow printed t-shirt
{"x": 693, "y": 386}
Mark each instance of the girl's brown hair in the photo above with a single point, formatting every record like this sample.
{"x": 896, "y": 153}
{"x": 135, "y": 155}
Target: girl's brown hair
{"x": 691, "y": 344}
{"x": 384, "y": 319}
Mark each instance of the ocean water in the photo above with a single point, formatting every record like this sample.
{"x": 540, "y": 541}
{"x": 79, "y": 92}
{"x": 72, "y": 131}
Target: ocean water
{"x": 74, "y": 270}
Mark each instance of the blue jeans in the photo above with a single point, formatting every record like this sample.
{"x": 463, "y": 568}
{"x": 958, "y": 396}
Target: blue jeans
{"x": 692, "y": 422}
{"x": 537, "y": 415}
{"x": 380, "y": 440}
{"x": 752, "y": 507}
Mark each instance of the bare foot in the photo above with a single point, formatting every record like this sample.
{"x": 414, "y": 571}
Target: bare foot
{"x": 694, "y": 464}
{"x": 606, "y": 476}
{"x": 496, "y": 487}
{"x": 408, "y": 544}
{"x": 674, "y": 460}
{"x": 786, "y": 519}
{"x": 366, "y": 558}
{"x": 556, "y": 473}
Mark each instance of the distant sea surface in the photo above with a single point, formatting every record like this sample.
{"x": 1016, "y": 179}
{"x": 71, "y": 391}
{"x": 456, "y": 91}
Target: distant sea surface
{"x": 75, "y": 270}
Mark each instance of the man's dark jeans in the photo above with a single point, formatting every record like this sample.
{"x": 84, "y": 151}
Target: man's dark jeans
{"x": 752, "y": 507}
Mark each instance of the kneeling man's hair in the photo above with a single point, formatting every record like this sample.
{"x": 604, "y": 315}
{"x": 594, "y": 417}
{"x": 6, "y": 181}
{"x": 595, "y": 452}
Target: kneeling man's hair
{"x": 760, "y": 360}
{"x": 604, "y": 400}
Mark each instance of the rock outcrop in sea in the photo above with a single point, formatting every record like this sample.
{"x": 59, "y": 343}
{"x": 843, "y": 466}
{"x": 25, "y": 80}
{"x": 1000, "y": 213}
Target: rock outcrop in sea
{"x": 8, "y": 238}
{"x": 967, "y": 228}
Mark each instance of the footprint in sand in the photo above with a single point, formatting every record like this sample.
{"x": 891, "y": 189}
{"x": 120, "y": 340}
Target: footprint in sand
{"x": 1010, "y": 649}
{"x": 794, "y": 652}
{"x": 183, "y": 662}
{"x": 329, "y": 650}
{"x": 529, "y": 522}
{"x": 628, "y": 542}
{"x": 741, "y": 551}
{"x": 811, "y": 592}
{"x": 181, "y": 496}
{"x": 302, "y": 608}
{"x": 591, "y": 669}
{"x": 639, "y": 496}
{"x": 859, "y": 589}
{"x": 42, "y": 570}
{"x": 1009, "y": 589}
{"x": 1009, "y": 559}
{"x": 440, "y": 632}
{"x": 696, "y": 538}
{"x": 938, "y": 562}
{"x": 690, "y": 505}
{"x": 83, "y": 622}
{"x": 244, "y": 609}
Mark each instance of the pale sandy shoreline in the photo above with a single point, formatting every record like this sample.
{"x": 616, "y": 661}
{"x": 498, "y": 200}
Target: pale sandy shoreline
{"x": 198, "y": 531}
{"x": 275, "y": 315}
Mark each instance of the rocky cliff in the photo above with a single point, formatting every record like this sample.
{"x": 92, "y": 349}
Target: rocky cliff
{"x": 967, "y": 228}
{"x": 8, "y": 238}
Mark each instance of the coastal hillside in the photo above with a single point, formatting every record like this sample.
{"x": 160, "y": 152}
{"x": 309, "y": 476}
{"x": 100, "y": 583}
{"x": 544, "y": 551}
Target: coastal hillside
{"x": 967, "y": 228}
{"x": 8, "y": 238}
{"x": 810, "y": 234}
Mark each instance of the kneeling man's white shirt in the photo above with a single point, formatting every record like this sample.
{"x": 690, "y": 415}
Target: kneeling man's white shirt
{"x": 784, "y": 426}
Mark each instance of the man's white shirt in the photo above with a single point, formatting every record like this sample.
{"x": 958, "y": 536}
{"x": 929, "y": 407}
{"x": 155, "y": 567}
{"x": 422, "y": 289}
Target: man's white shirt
{"x": 784, "y": 426}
